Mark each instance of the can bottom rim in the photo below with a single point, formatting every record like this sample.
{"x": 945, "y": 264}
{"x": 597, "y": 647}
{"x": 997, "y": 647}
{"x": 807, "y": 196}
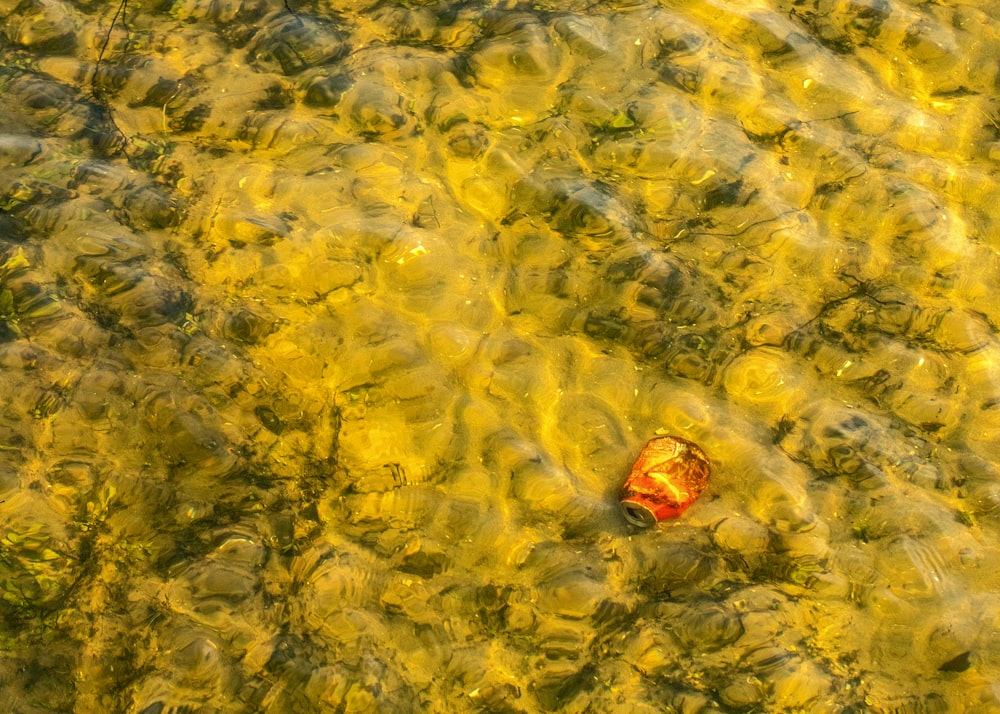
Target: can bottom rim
{"x": 638, "y": 514}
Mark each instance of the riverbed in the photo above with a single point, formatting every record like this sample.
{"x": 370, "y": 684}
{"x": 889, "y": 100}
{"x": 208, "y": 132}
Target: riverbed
{"x": 329, "y": 331}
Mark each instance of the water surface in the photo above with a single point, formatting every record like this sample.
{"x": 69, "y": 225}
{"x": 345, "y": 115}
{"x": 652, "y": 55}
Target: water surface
{"x": 330, "y": 330}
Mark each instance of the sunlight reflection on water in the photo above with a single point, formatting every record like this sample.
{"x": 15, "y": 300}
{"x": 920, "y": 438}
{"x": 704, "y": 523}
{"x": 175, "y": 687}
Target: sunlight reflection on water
{"x": 330, "y": 330}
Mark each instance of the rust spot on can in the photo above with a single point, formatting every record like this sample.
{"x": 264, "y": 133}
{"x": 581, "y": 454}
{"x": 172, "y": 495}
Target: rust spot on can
{"x": 668, "y": 476}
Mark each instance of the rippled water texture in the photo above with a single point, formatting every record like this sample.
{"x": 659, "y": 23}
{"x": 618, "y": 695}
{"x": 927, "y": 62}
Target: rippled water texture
{"x": 329, "y": 331}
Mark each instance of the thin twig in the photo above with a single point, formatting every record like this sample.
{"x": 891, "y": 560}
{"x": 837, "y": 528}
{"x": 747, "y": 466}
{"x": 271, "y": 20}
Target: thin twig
{"x": 94, "y": 87}
{"x": 120, "y": 12}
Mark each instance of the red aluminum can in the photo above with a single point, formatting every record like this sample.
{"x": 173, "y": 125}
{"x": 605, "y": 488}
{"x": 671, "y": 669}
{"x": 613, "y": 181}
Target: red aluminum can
{"x": 668, "y": 476}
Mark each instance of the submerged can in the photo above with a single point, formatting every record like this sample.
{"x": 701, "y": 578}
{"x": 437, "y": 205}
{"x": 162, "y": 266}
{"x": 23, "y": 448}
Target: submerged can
{"x": 668, "y": 476}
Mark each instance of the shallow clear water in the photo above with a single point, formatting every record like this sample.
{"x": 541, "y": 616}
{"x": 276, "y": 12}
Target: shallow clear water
{"x": 331, "y": 329}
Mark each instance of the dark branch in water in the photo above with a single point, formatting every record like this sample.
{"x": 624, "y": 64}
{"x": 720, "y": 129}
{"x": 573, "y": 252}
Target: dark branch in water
{"x": 120, "y": 12}
{"x": 94, "y": 88}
